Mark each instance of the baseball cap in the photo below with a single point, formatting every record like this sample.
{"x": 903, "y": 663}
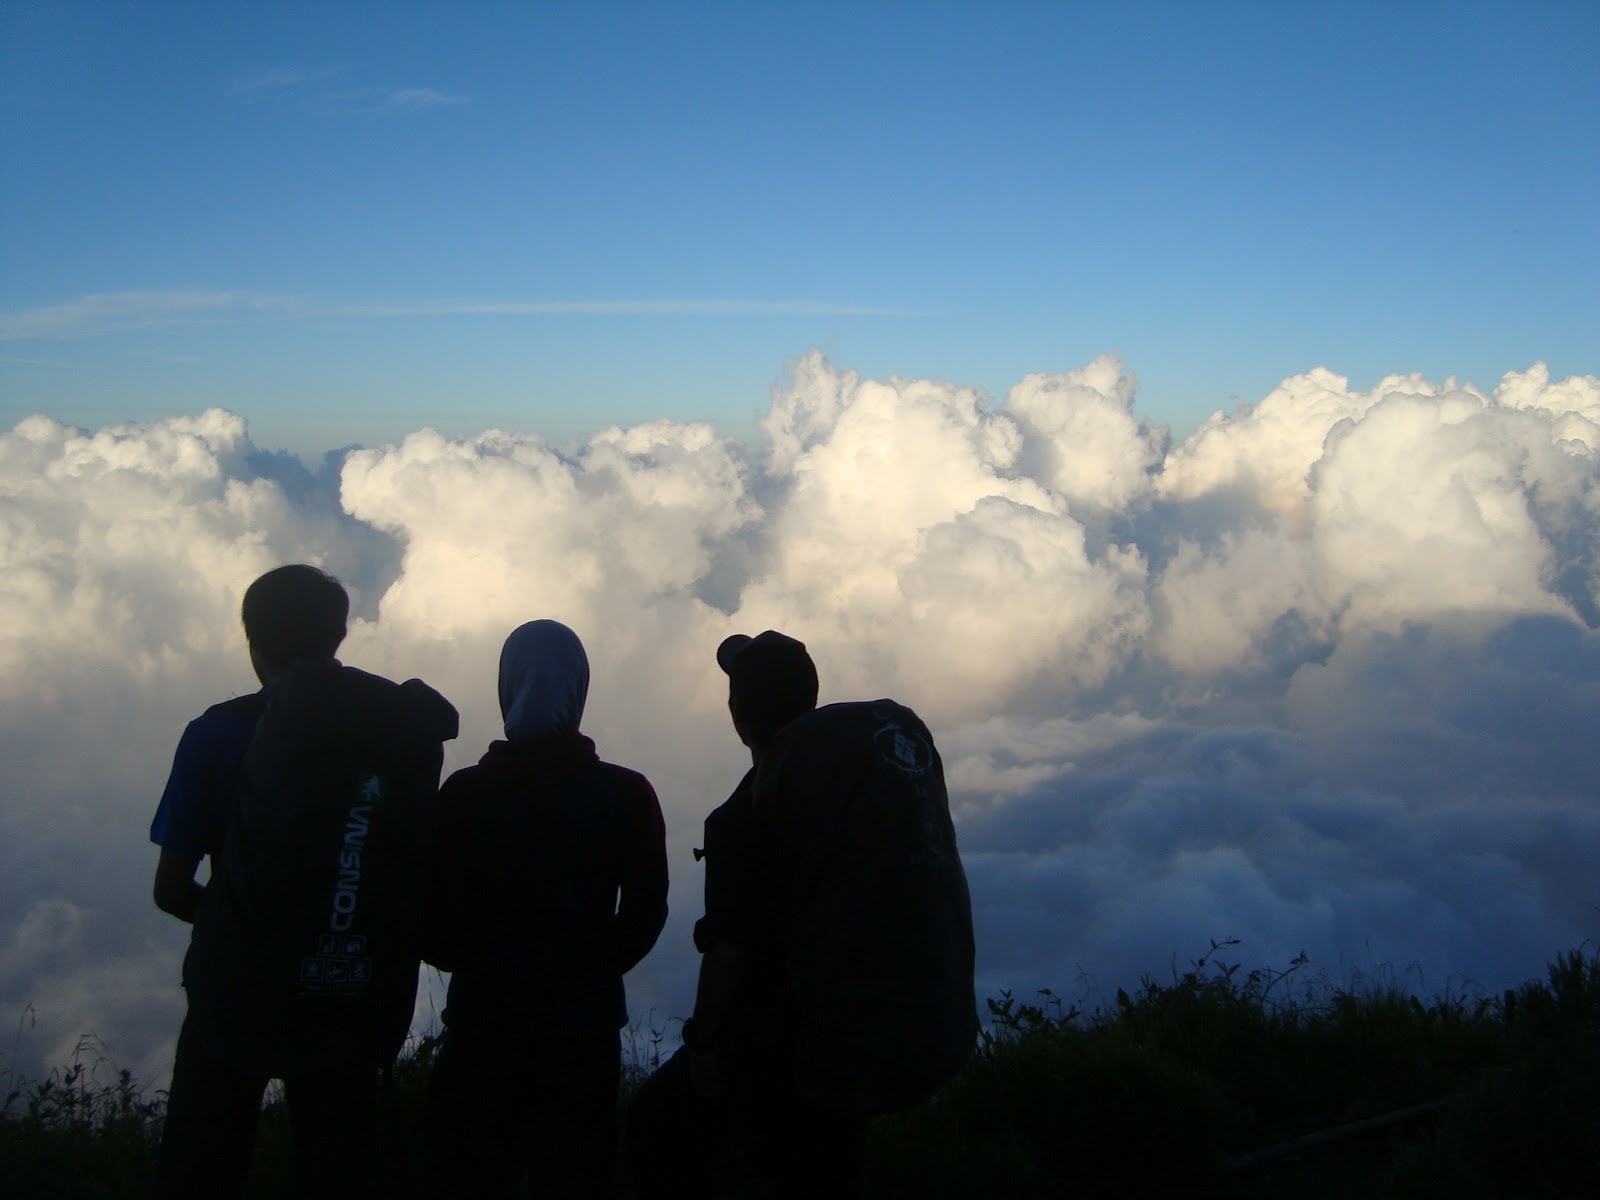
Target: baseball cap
{"x": 770, "y": 667}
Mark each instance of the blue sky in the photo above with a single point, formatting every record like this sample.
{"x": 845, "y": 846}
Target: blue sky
{"x": 350, "y": 221}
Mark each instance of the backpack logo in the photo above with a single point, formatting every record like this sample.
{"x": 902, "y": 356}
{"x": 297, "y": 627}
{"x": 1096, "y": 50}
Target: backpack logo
{"x": 904, "y": 751}
{"x": 341, "y": 961}
{"x": 347, "y": 889}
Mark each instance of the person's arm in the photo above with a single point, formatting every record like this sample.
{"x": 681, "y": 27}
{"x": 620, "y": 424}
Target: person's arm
{"x": 176, "y": 890}
{"x": 642, "y": 897}
{"x": 722, "y": 971}
{"x": 723, "y": 937}
{"x": 188, "y": 820}
{"x": 443, "y": 920}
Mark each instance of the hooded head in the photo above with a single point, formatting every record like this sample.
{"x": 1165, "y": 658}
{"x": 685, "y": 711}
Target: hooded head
{"x": 544, "y": 680}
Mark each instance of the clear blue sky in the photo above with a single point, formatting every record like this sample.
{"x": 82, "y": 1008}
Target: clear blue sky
{"x": 350, "y": 220}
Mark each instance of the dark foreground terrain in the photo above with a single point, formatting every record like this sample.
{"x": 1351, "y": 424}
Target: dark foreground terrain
{"x": 1216, "y": 1082}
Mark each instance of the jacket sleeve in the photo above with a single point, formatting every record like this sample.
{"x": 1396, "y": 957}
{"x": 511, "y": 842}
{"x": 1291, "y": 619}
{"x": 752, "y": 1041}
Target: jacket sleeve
{"x": 642, "y": 903}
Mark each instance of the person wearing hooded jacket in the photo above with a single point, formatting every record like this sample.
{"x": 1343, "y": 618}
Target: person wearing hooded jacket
{"x": 549, "y": 885}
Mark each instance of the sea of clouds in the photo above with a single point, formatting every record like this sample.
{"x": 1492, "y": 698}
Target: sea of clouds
{"x": 1322, "y": 677}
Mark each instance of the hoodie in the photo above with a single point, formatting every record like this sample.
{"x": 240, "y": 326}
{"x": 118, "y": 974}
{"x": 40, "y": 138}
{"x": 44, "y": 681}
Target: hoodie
{"x": 550, "y": 868}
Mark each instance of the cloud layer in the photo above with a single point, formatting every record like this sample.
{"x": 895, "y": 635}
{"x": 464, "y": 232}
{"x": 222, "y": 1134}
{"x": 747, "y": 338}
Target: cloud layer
{"x": 1322, "y": 677}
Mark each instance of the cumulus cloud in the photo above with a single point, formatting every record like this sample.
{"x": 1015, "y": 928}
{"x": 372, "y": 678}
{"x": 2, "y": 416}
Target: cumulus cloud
{"x": 1083, "y": 440}
{"x": 1320, "y": 677}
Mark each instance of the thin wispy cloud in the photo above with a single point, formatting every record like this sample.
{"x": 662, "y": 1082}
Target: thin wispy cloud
{"x": 308, "y": 88}
{"x": 420, "y": 98}
{"x": 118, "y": 312}
{"x": 364, "y": 101}
{"x": 170, "y": 360}
{"x": 7, "y": 360}
{"x": 619, "y": 308}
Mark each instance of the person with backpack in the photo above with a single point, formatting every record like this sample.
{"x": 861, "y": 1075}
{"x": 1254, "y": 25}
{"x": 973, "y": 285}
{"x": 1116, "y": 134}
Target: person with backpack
{"x": 312, "y": 799}
{"x": 550, "y": 884}
{"x": 836, "y": 977}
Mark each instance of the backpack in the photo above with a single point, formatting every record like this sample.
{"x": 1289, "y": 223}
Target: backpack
{"x": 875, "y": 915}
{"x": 306, "y": 945}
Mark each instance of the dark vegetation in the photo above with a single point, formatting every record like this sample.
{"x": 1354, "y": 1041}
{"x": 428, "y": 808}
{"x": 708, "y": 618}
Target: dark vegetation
{"x": 1216, "y": 1082}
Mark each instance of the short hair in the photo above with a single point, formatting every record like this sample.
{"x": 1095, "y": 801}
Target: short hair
{"x": 294, "y": 612}
{"x": 771, "y": 679}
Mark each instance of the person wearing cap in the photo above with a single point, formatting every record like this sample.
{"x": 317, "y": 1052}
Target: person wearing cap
{"x": 837, "y": 955}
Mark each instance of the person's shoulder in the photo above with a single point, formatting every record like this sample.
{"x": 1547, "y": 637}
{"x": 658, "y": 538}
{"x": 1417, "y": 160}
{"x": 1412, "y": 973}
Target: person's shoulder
{"x": 626, "y": 777}
{"x": 736, "y": 809}
{"x": 235, "y": 709}
{"x": 465, "y": 792}
{"x": 223, "y": 724}
{"x": 466, "y": 779}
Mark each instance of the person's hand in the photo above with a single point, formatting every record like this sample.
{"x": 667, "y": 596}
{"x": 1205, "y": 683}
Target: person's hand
{"x": 706, "y": 1076}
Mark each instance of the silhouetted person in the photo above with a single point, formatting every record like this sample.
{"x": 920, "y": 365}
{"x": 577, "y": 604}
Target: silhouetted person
{"x": 550, "y": 884}
{"x": 311, "y": 798}
{"x": 836, "y": 978}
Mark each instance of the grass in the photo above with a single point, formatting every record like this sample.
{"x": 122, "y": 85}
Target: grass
{"x": 1198, "y": 1084}
{"x": 87, "y": 1130}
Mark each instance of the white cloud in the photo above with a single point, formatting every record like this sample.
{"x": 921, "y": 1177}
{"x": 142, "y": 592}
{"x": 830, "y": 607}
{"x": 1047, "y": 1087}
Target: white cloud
{"x": 1432, "y": 503}
{"x": 1217, "y": 606}
{"x": 1571, "y": 402}
{"x": 1262, "y": 453}
{"x": 1322, "y": 677}
{"x": 1083, "y": 439}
